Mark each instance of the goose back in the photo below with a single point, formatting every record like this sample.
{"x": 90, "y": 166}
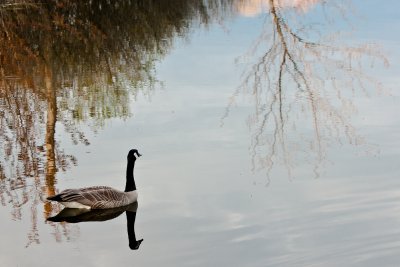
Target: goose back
{"x": 95, "y": 197}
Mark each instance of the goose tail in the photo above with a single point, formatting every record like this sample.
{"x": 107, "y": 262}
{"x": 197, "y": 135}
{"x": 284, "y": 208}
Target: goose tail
{"x": 55, "y": 198}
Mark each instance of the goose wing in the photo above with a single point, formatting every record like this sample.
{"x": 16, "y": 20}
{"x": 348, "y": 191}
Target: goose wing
{"x": 96, "y": 197}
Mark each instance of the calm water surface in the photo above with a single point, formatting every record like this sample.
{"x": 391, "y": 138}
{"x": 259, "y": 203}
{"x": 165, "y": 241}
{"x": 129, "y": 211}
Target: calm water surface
{"x": 269, "y": 131}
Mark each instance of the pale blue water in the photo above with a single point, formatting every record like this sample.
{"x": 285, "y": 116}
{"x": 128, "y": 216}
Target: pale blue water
{"x": 332, "y": 201}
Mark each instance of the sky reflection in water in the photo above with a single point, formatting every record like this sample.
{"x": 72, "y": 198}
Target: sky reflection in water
{"x": 203, "y": 199}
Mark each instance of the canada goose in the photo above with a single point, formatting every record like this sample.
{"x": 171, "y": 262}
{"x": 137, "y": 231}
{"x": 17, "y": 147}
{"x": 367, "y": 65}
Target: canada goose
{"x": 85, "y": 215}
{"x": 102, "y": 197}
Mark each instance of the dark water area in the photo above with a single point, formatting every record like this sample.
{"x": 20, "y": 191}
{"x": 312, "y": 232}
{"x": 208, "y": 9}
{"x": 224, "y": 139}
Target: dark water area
{"x": 268, "y": 128}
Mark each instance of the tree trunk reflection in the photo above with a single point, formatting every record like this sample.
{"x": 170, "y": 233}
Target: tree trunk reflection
{"x": 50, "y": 140}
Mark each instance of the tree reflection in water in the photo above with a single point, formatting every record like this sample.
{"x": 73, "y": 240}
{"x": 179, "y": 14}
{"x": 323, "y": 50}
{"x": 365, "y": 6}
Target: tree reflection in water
{"x": 302, "y": 85}
{"x": 67, "y": 63}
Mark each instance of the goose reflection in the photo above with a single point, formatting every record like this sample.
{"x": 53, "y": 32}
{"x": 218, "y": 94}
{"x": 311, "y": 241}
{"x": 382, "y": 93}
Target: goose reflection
{"x": 71, "y": 215}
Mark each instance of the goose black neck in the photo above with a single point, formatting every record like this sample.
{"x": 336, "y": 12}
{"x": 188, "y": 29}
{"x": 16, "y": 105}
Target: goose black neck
{"x": 130, "y": 180}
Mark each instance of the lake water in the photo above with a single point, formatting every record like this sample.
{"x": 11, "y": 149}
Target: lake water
{"x": 268, "y": 129}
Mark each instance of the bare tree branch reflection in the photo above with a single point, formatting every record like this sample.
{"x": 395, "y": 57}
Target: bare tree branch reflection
{"x": 302, "y": 86}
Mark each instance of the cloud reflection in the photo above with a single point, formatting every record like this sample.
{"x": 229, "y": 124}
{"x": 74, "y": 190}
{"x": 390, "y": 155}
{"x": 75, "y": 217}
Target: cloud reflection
{"x": 253, "y": 8}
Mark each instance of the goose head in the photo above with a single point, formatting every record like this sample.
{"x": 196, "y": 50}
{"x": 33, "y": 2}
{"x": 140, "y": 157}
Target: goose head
{"x": 133, "y": 154}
